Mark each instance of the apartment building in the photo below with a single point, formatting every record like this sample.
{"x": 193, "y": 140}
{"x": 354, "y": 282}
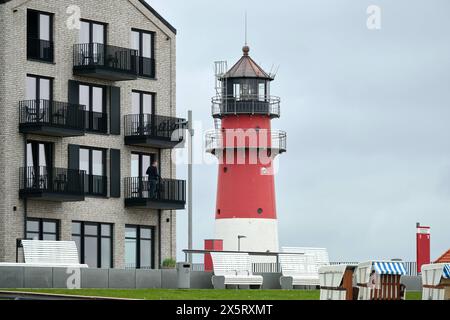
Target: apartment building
{"x": 87, "y": 103}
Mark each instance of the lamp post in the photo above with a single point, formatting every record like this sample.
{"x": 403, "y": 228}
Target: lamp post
{"x": 239, "y": 241}
{"x": 190, "y": 156}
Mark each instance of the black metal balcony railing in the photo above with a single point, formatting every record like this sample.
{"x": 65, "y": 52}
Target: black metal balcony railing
{"x": 40, "y": 49}
{"x": 249, "y": 139}
{"x": 248, "y": 104}
{"x": 51, "y": 180}
{"x": 159, "y": 127}
{"x": 112, "y": 58}
{"x": 95, "y": 185}
{"x": 165, "y": 190}
{"x": 96, "y": 121}
{"x": 51, "y": 113}
{"x": 146, "y": 67}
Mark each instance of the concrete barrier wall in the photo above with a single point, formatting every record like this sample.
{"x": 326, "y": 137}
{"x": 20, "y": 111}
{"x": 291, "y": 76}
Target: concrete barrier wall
{"x": 36, "y": 277}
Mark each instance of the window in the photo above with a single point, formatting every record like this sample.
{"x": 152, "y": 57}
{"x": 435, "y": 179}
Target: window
{"x": 94, "y": 98}
{"x": 40, "y": 36}
{"x": 39, "y": 88}
{"x": 140, "y": 163}
{"x": 93, "y": 162}
{"x": 42, "y": 229}
{"x": 143, "y": 42}
{"x": 139, "y": 247}
{"x": 142, "y": 102}
{"x": 92, "y": 32}
{"x": 39, "y": 159}
{"x": 94, "y": 242}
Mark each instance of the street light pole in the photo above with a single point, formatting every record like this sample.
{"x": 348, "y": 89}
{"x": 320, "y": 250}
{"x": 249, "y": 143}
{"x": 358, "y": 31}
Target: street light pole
{"x": 190, "y": 161}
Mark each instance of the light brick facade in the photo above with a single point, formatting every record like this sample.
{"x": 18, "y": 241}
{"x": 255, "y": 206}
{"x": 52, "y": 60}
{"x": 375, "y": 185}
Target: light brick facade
{"x": 120, "y": 16}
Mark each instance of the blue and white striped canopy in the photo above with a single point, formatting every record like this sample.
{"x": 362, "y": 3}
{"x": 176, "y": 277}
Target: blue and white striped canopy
{"x": 446, "y": 273}
{"x": 397, "y": 268}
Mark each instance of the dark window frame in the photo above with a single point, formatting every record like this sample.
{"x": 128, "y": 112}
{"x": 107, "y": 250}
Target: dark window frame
{"x": 153, "y": 157}
{"x": 138, "y": 243}
{"x": 38, "y": 84}
{"x": 91, "y": 30}
{"x": 51, "y": 16}
{"x": 82, "y": 235}
{"x": 141, "y": 100}
{"x": 104, "y": 174}
{"x": 47, "y": 144}
{"x": 152, "y": 34}
{"x": 41, "y": 232}
{"x": 89, "y": 123}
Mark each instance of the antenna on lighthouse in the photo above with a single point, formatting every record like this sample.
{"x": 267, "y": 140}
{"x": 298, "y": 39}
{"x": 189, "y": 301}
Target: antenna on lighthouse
{"x": 246, "y": 27}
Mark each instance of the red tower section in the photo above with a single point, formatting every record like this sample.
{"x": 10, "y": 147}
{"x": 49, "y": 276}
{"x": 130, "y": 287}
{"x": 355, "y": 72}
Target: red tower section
{"x": 246, "y": 146}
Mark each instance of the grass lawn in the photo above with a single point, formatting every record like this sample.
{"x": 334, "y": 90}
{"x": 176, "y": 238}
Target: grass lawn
{"x": 206, "y": 294}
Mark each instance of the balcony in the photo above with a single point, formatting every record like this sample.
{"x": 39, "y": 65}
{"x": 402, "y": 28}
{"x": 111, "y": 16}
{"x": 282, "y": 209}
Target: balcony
{"x": 148, "y": 130}
{"x": 105, "y": 62}
{"x": 41, "y": 50}
{"x": 164, "y": 194}
{"x": 262, "y": 139}
{"x": 51, "y": 118}
{"x": 51, "y": 184}
{"x": 248, "y": 104}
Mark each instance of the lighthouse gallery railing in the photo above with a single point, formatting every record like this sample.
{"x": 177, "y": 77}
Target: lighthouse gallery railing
{"x": 246, "y": 104}
{"x": 250, "y": 138}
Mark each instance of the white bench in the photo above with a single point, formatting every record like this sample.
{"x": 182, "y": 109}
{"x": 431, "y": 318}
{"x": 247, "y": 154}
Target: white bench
{"x": 298, "y": 270}
{"x": 436, "y": 281}
{"x": 306, "y": 273}
{"x": 233, "y": 269}
{"x": 40, "y": 253}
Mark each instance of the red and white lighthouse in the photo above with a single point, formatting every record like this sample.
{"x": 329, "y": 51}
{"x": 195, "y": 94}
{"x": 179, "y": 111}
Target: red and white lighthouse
{"x": 246, "y": 146}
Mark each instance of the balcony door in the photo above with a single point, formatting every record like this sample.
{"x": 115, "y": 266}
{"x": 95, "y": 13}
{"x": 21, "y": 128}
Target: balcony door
{"x": 139, "y": 165}
{"x": 143, "y": 42}
{"x": 92, "y": 39}
{"x": 38, "y": 98}
{"x": 143, "y": 109}
{"x": 39, "y": 159}
{"x": 94, "y": 98}
{"x": 93, "y": 162}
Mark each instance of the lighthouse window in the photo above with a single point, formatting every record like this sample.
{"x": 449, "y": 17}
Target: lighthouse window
{"x": 237, "y": 90}
{"x": 225, "y": 169}
{"x": 260, "y": 210}
{"x": 261, "y": 91}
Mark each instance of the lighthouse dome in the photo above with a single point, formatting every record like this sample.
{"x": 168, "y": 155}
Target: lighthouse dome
{"x": 246, "y": 67}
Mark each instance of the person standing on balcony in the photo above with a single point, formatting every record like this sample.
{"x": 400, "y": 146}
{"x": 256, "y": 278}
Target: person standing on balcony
{"x": 153, "y": 176}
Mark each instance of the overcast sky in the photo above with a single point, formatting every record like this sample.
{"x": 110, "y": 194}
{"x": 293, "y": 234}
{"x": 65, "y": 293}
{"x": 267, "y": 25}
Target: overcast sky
{"x": 367, "y": 114}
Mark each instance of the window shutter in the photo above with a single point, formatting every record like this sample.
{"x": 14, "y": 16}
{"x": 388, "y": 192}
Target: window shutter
{"x": 74, "y": 157}
{"x": 74, "y": 92}
{"x": 114, "y": 98}
{"x": 114, "y": 173}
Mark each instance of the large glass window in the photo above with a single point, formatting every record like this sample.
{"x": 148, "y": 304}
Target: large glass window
{"x": 139, "y": 247}
{"x": 143, "y": 42}
{"x": 94, "y": 98}
{"x": 94, "y": 243}
{"x": 42, "y": 229}
{"x": 140, "y": 163}
{"x": 39, "y": 35}
{"x": 93, "y": 162}
{"x": 38, "y": 88}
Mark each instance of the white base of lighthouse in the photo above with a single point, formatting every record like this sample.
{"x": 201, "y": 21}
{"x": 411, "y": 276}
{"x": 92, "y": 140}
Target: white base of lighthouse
{"x": 261, "y": 235}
